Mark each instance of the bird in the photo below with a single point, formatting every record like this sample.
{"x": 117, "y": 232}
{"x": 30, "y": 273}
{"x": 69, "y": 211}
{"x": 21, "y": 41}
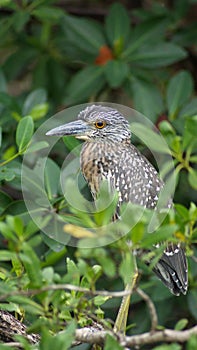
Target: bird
{"x": 108, "y": 154}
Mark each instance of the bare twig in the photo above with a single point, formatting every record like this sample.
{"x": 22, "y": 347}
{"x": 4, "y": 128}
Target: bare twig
{"x": 86, "y": 335}
{"x": 151, "y": 307}
{"x": 54, "y": 287}
{"x": 167, "y": 335}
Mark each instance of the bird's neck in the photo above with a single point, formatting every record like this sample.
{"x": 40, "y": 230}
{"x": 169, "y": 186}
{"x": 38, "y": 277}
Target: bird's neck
{"x": 97, "y": 159}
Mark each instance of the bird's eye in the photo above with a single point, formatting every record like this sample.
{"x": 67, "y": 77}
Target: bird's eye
{"x": 100, "y": 125}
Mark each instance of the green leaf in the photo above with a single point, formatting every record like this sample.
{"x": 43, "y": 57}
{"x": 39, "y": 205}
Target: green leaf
{"x": 189, "y": 109}
{"x": 127, "y": 267}
{"x": 153, "y": 141}
{"x": 46, "y": 13}
{"x": 166, "y": 128}
{"x": 51, "y": 178}
{"x": 117, "y": 25}
{"x": 72, "y": 143}
{"x": 16, "y": 224}
{"x": 151, "y": 31}
{"x": 191, "y": 125}
{"x": 39, "y": 111}
{"x": 73, "y": 273}
{"x": 100, "y": 300}
{"x": 7, "y": 256}
{"x": 179, "y": 90}
{"x": 160, "y": 235}
{"x": 83, "y": 33}
{"x": 24, "y": 132}
{"x": 116, "y": 72}
{"x": 108, "y": 265}
{"x": 20, "y": 18}
{"x": 112, "y": 343}
{"x": 192, "y": 343}
{"x": 181, "y": 324}
{"x": 36, "y": 97}
{"x": 86, "y": 83}
{"x": 32, "y": 266}
{"x": 193, "y": 178}
{"x": 182, "y": 211}
{"x": 6, "y": 174}
{"x": 147, "y": 98}
{"x": 28, "y": 304}
{"x": 37, "y": 146}
{"x": 160, "y": 55}
{"x": 16, "y": 62}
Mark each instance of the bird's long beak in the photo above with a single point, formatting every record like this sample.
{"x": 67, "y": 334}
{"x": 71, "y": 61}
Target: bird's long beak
{"x": 78, "y": 128}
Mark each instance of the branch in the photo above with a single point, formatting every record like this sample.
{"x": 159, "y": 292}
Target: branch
{"x": 167, "y": 335}
{"x": 54, "y": 287}
{"x": 93, "y": 336}
{"x": 10, "y": 326}
{"x": 151, "y": 307}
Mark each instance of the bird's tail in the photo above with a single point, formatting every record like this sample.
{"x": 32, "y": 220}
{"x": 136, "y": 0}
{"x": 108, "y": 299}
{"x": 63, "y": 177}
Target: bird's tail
{"x": 172, "y": 269}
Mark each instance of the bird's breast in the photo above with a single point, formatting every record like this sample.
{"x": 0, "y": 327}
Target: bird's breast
{"x": 96, "y": 163}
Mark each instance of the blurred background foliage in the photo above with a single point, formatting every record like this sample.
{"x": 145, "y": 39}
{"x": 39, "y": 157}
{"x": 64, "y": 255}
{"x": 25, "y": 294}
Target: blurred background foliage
{"x": 55, "y": 54}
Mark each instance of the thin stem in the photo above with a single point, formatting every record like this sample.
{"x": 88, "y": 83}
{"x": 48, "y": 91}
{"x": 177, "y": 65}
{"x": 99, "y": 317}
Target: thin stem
{"x": 121, "y": 320}
{"x": 151, "y": 307}
{"x": 10, "y": 159}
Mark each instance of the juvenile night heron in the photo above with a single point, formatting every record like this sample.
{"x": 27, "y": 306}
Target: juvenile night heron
{"x": 108, "y": 154}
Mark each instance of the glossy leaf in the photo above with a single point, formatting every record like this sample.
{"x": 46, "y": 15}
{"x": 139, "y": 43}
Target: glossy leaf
{"x": 116, "y": 72}
{"x": 193, "y": 178}
{"x": 160, "y": 235}
{"x": 87, "y": 82}
{"x": 150, "y": 31}
{"x": 189, "y": 109}
{"x": 24, "y": 132}
{"x": 83, "y": 33}
{"x": 51, "y": 178}
{"x": 150, "y": 138}
{"x": 36, "y": 97}
{"x": 127, "y": 268}
{"x": 20, "y": 19}
{"x": 46, "y": 13}
{"x": 117, "y": 26}
{"x": 191, "y": 125}
{"x": 157, "y": 56}
{"x": 32, "y": 265}
{"x": 181, "y": 324}
{"x": 6, "y": 174}
{"x": 179, "y": 90}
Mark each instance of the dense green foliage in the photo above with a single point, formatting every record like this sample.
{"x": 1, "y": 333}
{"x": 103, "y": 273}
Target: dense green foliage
{"x": 50, "y": 59}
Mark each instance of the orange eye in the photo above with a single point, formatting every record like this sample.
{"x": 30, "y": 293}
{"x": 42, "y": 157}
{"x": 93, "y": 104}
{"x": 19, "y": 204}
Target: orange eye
{"x": 100, "y": 125}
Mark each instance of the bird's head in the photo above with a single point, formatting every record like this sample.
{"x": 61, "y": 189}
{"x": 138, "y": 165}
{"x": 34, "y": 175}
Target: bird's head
{"x": 96, "y": 122}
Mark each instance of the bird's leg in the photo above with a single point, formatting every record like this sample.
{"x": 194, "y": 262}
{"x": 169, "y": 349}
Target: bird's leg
{"x": 121, "y": 319}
